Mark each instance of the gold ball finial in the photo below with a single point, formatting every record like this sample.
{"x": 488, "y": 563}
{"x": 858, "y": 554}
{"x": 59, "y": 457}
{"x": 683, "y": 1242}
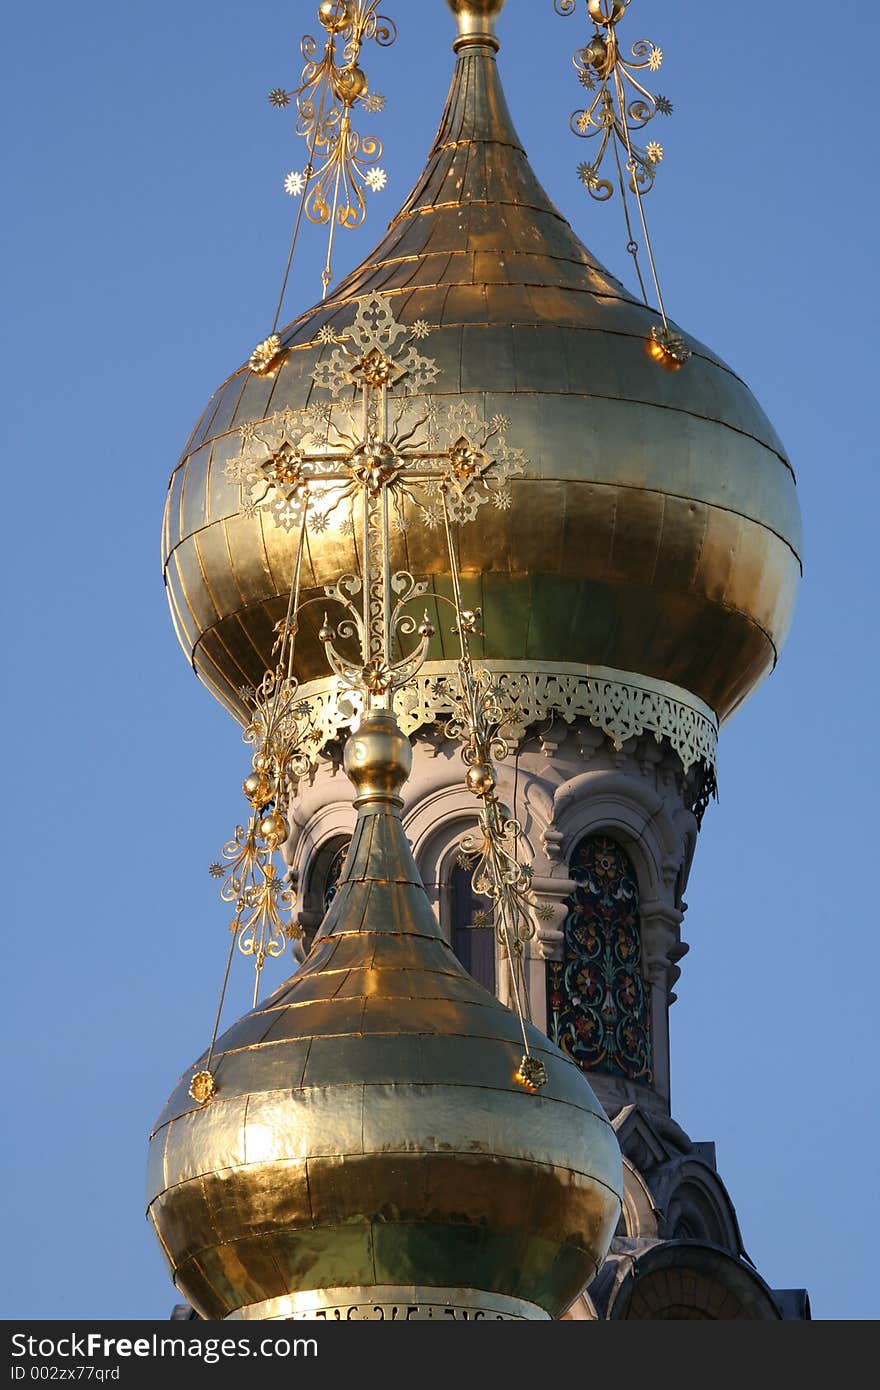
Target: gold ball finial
{"x": 257, "y": 789}
{"x": 378, "y": 759}
{"x": 480, "y": 779}
{"x": 476, "y": 22}
{"x": 352, "y": 84}
{"x": 274, "y": 829}
{"x": 335, "y": 15}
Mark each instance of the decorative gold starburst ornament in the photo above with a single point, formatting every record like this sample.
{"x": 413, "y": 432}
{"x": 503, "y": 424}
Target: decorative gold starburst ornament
{"x": 531, "y": 1074}
{"x": 341, "y": 163}
{"x": 668, "y": 348}
{"x": 202, "y": 1087}
{"x": 266, "y": 356}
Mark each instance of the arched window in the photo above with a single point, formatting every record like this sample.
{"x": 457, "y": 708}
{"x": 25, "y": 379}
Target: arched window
{"x": 473, "y": 943}
{"x": 322, "y": 880}
{"x": 597, "y": 1002}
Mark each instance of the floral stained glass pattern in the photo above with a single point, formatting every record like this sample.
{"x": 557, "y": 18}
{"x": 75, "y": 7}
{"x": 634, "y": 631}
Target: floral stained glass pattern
{"x": 597, "y": 1003}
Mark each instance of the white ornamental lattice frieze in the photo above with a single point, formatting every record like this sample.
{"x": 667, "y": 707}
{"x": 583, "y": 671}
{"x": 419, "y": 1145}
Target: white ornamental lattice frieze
{"x": 622, "y": 709}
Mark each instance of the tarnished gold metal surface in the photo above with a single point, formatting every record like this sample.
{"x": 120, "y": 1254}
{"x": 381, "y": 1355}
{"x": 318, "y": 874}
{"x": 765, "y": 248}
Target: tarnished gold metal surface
{"x": 656, "y": 529}
{"x": 366, "y": 1127}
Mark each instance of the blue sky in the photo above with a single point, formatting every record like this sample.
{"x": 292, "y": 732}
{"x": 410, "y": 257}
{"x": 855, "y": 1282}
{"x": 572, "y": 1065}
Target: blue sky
{"x": 143, "y": 244}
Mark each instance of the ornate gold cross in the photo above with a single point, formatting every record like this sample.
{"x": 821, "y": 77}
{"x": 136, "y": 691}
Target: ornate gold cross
{"x": 372, "y": 445}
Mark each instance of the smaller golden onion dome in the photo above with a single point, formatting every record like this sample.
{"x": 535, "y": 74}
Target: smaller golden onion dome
{"x": 366, "y": 1150}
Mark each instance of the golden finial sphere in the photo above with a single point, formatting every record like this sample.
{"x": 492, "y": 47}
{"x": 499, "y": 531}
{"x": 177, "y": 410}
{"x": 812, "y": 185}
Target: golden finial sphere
{"x": 352, "y": 83}
{"x": 595, "y": 55}
{"x": 256, "y": 789}
{"x": 606, "y": 11}
{"x": 480, "y": 779}
{"x": 334, "y": 15}
{"x": 274, "y": 829}
{"x": 378, "y": 758}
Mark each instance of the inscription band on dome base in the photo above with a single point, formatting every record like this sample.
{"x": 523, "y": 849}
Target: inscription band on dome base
{"x": 392, "y": 1303}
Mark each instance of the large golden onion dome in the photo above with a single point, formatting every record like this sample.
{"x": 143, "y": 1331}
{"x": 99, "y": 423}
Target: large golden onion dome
{"x": 368, "y": 1152}
{"x": 655, "y": 529}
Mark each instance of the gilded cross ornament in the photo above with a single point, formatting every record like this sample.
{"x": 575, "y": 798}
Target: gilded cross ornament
{"x": 369, "y": 458}
{"x": 618, "y": 109}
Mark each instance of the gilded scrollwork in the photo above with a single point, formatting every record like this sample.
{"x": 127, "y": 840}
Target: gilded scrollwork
{"x": 282, "y": 732}
{"x": 341, "y": 164}
{"x": 490, "y": 852}
{"x": 620, "y": 106}
{"x": 618, "y": 109}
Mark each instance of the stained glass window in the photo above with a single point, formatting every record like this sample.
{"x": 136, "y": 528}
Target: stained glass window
{"x": 334, "y": 872}
{"x": 597, "y": 1001}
